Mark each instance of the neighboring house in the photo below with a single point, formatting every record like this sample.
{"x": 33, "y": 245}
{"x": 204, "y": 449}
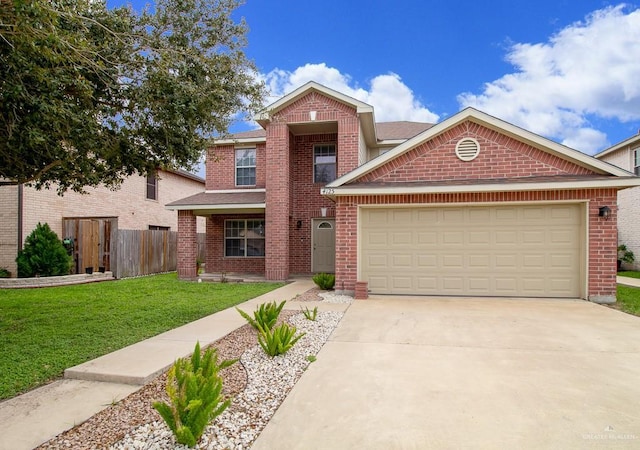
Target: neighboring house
{"x": 139, "y": 204}
{"x": 626, "y": 155}
{"x": 470, "y": 206}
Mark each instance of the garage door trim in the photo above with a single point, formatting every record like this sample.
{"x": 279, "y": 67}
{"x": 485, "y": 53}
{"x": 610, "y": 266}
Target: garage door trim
{"x": 582, "y": 205}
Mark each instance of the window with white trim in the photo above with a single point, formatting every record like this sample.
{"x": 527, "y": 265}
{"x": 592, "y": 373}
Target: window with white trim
{"x": 244, "y": 238}
{"x": 245, "y": 167}
{"x": 636, "y": 161}
{"x": 324, "y": 163}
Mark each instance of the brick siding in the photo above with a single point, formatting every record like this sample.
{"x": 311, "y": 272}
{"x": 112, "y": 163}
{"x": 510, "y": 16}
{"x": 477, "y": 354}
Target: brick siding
{"x": 500, "y": 157}
{"x": 601, "y": 240}
{"x": 129, "y": 204}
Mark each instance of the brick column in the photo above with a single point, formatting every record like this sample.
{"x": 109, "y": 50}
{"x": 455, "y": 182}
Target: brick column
{"x": 603, "y": 243}
{"x": 187, "y": 245}
{"x": 278, "y": 202}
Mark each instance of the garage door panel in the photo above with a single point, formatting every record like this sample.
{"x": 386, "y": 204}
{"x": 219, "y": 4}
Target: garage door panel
{"x": 402, "y": 261}
{"x": 506, "y": 237}
{"x": 426, "y": 262}
{"x": 503, "y": 250}
{"x": 402, "y": 238}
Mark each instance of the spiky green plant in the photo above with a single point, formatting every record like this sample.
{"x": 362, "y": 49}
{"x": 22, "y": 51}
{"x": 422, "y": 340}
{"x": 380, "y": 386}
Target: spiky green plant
{"x": 279, "y": 340}
{"x": 325, "y": 281}
{"x": 194, "y": 387}
{"x": 310, "y": 314}
{"x": 265, "y": 316}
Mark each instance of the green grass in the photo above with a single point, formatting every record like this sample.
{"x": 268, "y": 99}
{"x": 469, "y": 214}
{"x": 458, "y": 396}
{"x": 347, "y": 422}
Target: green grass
{"x": 629, "y": 273}
{"x": 628, "y": 299}
{"x": 44, "y": 331}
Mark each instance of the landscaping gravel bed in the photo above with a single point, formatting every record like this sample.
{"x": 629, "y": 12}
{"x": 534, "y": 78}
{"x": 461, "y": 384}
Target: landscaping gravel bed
{"x": 258, "y": 384}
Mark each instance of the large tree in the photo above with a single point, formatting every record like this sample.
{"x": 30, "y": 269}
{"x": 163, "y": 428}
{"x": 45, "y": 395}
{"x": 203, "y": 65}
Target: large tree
{"x": 89, "y": 95}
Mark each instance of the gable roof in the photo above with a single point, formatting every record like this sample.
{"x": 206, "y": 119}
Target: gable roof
{"x": 627, "y": 142}
{"x": 364, "y": 110}
{"x": 491, "y": 122}
{"x": 386, "y": 131}
{"x": 311, "y": 86}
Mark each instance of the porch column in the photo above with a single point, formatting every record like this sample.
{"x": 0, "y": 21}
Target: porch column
{"x": 278, "y": 202}
{"x": 187, "y": 245}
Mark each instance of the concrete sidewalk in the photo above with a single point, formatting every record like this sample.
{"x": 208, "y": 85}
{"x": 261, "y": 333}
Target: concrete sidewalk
{"x": 43, "y": 413}
{"x": 627, "y": 281}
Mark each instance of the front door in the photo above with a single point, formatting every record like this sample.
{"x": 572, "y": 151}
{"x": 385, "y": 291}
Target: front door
{"x": 323, "y": 254}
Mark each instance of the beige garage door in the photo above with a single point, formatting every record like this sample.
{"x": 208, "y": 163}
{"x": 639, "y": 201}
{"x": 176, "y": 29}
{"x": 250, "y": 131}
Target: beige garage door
{"x": 529, "y": 251}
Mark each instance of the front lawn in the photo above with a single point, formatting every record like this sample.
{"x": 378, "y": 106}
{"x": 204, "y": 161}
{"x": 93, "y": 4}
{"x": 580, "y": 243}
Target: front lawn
{"x": 44, "y": 331}
{"x": 629, "y": 273}
{"x": 628, "y": 299}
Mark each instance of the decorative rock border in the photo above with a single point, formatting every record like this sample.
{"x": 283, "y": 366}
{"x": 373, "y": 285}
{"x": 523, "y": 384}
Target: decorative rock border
{"x": 16, "y": 283}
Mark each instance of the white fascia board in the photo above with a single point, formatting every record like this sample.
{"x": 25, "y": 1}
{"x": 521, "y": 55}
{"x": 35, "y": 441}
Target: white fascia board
{"x": 233, "y": 191}
{"x": 491, "y": 122}
{"x": 216, "y": 207}
{"x": 255, "y": 140}
{"x": 620, "y": 145}
{"x": 497, "y": 187}
{"x": 361, "y": 107}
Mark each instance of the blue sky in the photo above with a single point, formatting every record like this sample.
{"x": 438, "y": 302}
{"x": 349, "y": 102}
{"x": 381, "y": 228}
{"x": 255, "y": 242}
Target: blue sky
{"x": 568, "y": 70}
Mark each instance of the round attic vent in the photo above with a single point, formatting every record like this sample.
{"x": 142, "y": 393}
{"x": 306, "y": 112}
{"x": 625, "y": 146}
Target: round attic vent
{"x": 467, "y": 149}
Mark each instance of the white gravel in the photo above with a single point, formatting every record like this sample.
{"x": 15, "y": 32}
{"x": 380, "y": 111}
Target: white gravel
{"x": 269, "y": 382}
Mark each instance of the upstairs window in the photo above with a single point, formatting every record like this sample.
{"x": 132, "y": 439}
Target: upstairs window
{"x": 324, "y": 163}
{"x": 636, "y": 161}
{"x": 246, "y": 167}
{"x": 152, "y": 186}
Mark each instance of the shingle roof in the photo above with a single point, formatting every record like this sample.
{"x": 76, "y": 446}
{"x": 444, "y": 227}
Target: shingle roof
{"x": 214, "y": 198}
{"x": 385, "y": 130}
{"x": 400, "y": 130}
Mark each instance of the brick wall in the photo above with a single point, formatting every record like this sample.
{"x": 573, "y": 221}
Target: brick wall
{"x": 187, "y": 245}
{"x": 628, "y": 206}
{"x": 500, "y": 157}
{"x": 602, "y": 233}
{"x": 221, "y": 167}
{"x": 129, "y": 204}
{"x": 9, "y": 228}
{"x": 278, "y": 201}
{"x": 216, "y": 261}
{"x": 306, "y": 199}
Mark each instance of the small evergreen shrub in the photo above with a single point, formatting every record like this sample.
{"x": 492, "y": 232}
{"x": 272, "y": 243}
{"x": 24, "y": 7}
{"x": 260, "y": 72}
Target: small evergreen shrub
{"x": 43, "y": 254}
{"x": 195, "y": 392}
{"x": 310, "y": 314}
{"x": 279, "y": 340}
{"x": 265, "y": 317}
{"x": 325, "y": 281}
{"x": 4, "y": 273}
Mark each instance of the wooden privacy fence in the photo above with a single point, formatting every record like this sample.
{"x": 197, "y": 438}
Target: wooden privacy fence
{"x": 143, "y": 252}
{"x": 96, "y": 243}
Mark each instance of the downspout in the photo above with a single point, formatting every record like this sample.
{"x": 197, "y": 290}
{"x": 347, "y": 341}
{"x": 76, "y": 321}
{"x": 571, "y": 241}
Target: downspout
{"x": 20, "y": 218}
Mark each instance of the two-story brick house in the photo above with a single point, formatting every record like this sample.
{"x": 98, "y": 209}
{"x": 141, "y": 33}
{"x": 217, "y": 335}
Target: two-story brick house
{"x": 626, "y": 155}
{"x": 470, "y": 206}
{"x": 137, "y": 205}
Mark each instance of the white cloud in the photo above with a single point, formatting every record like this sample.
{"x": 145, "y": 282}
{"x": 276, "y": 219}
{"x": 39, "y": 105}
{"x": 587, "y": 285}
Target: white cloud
{"x": 391, "y": 98}
{"x": 589, "y": 69}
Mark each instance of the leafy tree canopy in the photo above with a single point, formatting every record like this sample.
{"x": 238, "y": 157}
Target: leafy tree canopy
{"x": 89, "y": 95}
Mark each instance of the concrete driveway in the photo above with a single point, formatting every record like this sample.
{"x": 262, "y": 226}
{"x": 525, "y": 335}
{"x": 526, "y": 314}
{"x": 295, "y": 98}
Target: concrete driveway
{"x": 420, "y": 373}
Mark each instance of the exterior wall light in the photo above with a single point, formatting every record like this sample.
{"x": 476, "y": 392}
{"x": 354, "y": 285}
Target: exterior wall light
{"x": 604, "y": 211}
